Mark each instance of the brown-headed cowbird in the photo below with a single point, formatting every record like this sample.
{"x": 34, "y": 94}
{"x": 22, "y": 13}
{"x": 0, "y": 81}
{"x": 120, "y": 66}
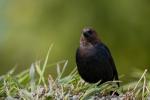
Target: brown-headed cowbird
{"x": 94, "y": 60}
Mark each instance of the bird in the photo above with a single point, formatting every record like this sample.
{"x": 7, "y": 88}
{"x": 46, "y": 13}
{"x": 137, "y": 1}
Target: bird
{"x": 94, "y": 60}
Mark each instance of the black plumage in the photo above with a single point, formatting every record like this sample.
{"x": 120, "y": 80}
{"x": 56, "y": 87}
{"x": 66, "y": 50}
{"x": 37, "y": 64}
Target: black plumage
{"x": 94, "y": 60}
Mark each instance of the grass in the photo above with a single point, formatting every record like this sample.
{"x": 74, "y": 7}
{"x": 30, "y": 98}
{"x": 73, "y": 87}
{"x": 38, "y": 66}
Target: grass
{"x": 31, "y": 84}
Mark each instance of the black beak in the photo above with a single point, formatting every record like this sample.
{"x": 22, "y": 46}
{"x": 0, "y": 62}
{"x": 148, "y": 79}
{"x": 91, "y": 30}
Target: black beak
{"x": 87, "y": 32}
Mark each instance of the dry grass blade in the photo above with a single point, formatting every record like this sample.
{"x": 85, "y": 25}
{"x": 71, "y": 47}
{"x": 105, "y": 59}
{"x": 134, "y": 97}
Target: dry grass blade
{"x": 140, "y": 80}
{"x": 32, "y": 77}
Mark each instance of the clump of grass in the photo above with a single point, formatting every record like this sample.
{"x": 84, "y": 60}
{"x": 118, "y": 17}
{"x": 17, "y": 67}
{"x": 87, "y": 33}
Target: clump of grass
{"x": 31, "y": 84}
{"x": 139, "y": 89}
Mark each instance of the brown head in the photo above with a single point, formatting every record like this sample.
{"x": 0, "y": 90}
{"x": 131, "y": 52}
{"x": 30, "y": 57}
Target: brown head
{"x": 89, "y": 36}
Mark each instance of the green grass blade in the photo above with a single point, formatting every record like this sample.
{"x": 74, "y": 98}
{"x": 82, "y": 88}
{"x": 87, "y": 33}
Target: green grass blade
{"x": 44, "y": 66}
{"x": 64, "y": 67}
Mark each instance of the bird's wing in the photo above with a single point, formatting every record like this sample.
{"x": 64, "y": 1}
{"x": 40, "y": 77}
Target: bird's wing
{"x": 108, "y": 56}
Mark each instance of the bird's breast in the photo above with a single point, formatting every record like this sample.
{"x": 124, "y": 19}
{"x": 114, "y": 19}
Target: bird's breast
{"x": 87, "y": 52}
{"x": 89, "y": 64}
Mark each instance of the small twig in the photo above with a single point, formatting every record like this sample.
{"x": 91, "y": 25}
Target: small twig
{"x": 113, "y": 93}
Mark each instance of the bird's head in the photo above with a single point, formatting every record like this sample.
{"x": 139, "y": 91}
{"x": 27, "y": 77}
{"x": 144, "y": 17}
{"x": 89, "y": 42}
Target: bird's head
{"x": 89, "y": 36}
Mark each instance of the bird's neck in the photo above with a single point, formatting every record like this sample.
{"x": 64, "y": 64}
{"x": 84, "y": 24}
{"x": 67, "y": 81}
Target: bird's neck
{"x": 85, "y": 45}
{"x": 97, "y": 41}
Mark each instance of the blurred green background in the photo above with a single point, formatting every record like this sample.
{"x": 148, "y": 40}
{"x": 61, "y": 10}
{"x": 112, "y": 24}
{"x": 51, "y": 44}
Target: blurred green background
{"x": 28, "y": 27}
